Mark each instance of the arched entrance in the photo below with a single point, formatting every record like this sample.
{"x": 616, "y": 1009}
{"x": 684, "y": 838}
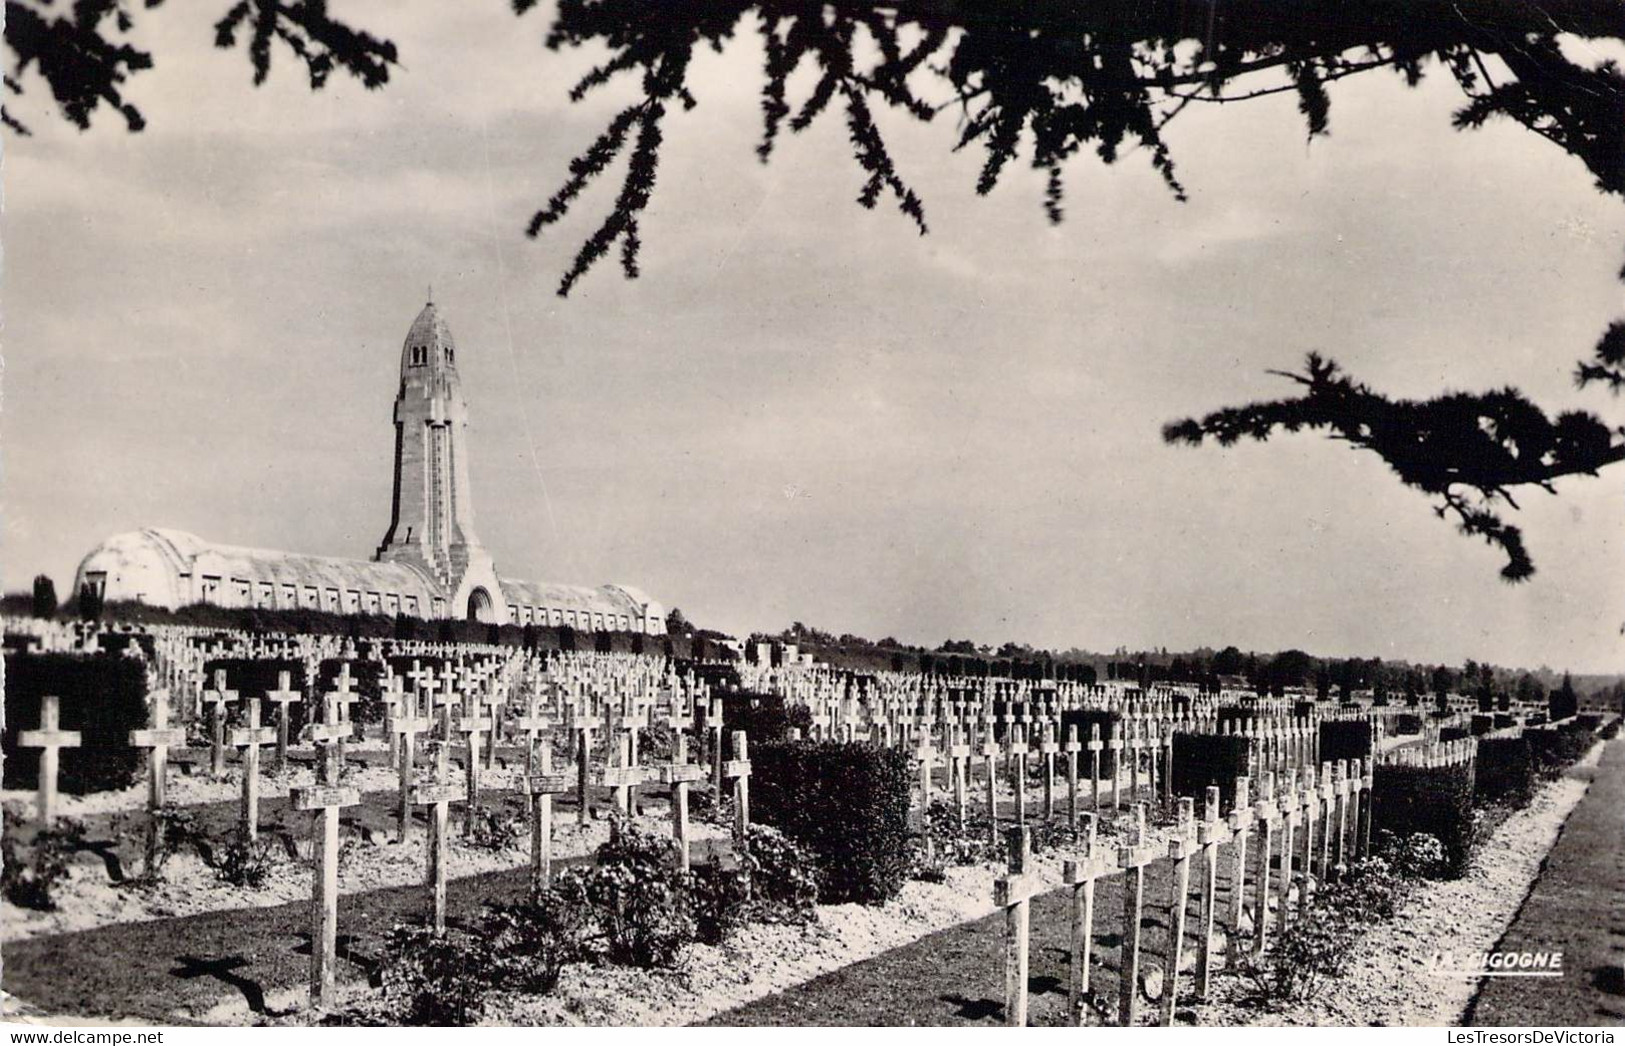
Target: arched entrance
{"x": 480, "y": 608}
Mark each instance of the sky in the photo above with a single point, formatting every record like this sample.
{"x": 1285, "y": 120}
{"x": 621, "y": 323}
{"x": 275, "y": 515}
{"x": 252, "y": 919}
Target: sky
{"x": 802, "y": 410}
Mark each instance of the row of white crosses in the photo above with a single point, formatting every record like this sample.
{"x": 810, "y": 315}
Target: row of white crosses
{"x": 1338, "y": 800}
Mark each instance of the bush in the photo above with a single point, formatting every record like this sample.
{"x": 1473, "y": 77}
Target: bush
{"x": 243, "y": 862}
{"x": 29, "y": 879}
{"x": 952, "y": 846}
{"x": 1555, "y": 750}
{"x": 783, "y": 877}
{"x": 494, "y": 827}
{"x": 1414, "y": 856}
{"x": 1315, "y": 949}
{"x": 531, "y": 942}
{"x": 102, "y": 696}
{"x": 44, "y": 601}
{"x": 639, "y": 902}
{"x": 721, "y": 901}
{"x": 1436, "y": 801}
{"x": 433, "y": 979}
{"x": 847, "y": 804}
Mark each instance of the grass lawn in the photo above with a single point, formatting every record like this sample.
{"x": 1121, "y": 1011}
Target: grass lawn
{"x": 1576, "y": 906}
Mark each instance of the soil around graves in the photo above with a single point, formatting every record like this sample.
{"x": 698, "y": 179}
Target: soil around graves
{"x": 955, "y": 977}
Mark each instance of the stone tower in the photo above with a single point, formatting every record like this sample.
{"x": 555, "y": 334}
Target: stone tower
{"x": 432, "y": 521}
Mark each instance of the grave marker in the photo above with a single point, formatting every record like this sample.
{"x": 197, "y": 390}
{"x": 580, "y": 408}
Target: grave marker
{"x": 249, "y": 739}
{"x": 1081, "y": 876}
{"x": 1132, "y": 859}
{"x": 282, "y": 697}
{"x": 50, "y": 739}
{"x": 218, "y": 699}
{"x": 1013, "y": 892}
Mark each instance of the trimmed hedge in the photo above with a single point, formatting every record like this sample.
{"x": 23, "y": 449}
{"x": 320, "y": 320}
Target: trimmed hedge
{"x": 1345, "y": 739}
{"x": 1483, "y": 724}
{"x": 1406, "y": 724}
{"x": 1554, "y": 750}
{"x": 1453, "y": 733}
{"x": 763, "y": 717}
{"x": 1434, "y": 800}
{"x": 252, "y": 677}
{"x": 1201, "y": 760}
{"x": 104, "y": 697}
{"x": 1084, "y": 719}
{"x": 845, "y": 803}
{"x": 1506, "y": 770}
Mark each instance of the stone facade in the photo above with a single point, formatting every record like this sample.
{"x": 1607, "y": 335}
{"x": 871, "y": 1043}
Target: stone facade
{"x": 430, "y": 564}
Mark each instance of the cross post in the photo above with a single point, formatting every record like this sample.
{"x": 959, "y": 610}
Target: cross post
{"x": 249, "y": 738}
{"x": 1014, "y": 893}
{"x": 50, "y": 739}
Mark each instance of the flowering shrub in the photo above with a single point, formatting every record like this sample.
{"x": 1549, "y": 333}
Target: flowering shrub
{"x": 29, "y": 879}
{"x": 783, "y": 877}
{"x": 639, "y": 903}
{"x": 432, "y": 978}
{"x": 494, "y": 827}
{"x": 531, "y": 942}
{"x": 244, "y": 862}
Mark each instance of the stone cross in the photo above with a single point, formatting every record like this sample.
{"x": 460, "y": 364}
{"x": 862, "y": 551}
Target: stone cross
{"x": 249, "y": 738}
{"x": 1367, "y": 782}
{"x": 218, "y": 699}
{"x": 1115, "y": 745}
{"x": 1328, "y": 807}
{"x": 324, "y": 801}
{"x": 159, "y": 737}
{"x": 1180, "y": 848}
{"x": 1340, "y": 786}
{"x": 1081, "y": 876}
{"x": 50, "y": 739}
{"x": 342, "y": 698}
{"x": 1013, "y": 893}
{"x": 540, "y": 788}
{"x": 679, "y": 774}
{"x": 1291, "y": 807}
{"x": 1132, "y": 859}
{"x": 283, "y": 696}
{"x": 1309, "y": 804}
{"x": 738, "y": 769}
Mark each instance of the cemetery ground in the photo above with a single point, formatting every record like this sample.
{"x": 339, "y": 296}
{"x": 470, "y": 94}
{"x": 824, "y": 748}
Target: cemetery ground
{"x": 933, "y": 955}
{"x": 955, "y": 976}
